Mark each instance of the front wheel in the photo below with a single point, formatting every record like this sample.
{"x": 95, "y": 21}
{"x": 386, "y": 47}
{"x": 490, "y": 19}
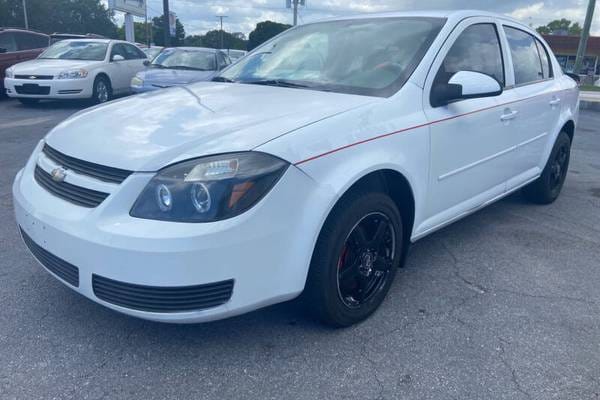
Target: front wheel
{"x": 355, "y": 259}
{"x": 101, "y": 91}
{"x": 547, "y": 187}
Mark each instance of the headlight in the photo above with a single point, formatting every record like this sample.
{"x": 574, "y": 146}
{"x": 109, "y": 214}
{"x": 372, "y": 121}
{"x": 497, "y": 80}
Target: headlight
{"x": 136, "y": 81}
{"x": 209, "y": 188}
{"x": 9, "y": 73}
{"x": 74, "y": 74}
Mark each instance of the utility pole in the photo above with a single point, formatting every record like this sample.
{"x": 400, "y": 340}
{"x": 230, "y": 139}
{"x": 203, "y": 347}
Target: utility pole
{"x": 146, "y": 23}
{"x": 25, "y": 14}
{"x": 166, "y": 27}
{"x": 585, "y": 34}
{"x": 221, "y": 18}
{"x": 295, "y": 5}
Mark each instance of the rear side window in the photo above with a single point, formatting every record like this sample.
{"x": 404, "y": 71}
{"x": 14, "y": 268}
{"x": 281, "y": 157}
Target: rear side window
{"x": 30, "y": 41}
{"x": 545, "y": 58}
{"x": 7, "y": 42}
{"x": 476, "y": 49}
{"x": 525, "y": 56}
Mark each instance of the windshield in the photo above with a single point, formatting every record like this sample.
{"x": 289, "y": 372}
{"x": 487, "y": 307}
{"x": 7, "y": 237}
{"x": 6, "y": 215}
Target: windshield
{"x": 185, "y": 59}
{"x": 372, "y": 56}
{"x": 152, "y": 52}
{"x": 76, "y": 50}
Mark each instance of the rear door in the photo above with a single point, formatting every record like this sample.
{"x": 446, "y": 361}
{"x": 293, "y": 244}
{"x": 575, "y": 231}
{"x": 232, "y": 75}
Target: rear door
{"x": 539, "y": 100}
{"x": 472, "y": 151}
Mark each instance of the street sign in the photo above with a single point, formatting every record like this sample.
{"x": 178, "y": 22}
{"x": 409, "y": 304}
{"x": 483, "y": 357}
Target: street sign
{"x": 133, "y": 7}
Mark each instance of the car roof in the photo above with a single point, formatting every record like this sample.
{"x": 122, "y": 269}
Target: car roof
{"x": 187, "y": 48}
{"x": 454, "y": 15}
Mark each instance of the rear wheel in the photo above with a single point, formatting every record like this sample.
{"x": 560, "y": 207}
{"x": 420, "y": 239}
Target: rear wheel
{"x": 102, "y": 90}
{"x": 29, "y": 102}
{"x": 547, "y": 187}
{"x": 355, "y": 259}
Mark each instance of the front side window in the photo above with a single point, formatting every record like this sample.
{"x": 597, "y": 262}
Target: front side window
{"x": 76, "y": 50}
{"x": 372, "y": 56}
{"x": 476, "y": 49}
{"x": 185, "y": 59}
{"x": 525, "y": 56}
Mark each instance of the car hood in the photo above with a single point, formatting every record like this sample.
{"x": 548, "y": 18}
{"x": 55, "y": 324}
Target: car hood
{"x": 50, "y": 67}
{"x": 170, "y": 77}
{"x": 149, "y": 131}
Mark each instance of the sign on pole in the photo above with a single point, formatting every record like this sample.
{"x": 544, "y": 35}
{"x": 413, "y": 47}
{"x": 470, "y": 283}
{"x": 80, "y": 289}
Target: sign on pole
{"x": 172, "y": 24}
{"x": 133, "y": 7}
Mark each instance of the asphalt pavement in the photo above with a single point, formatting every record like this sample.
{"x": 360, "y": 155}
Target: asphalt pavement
{"x": 504, "y": 304}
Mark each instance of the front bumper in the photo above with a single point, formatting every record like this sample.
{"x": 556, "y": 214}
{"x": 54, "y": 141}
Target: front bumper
{"x": 50, "y": 88}
{"x": 265, "y": 251}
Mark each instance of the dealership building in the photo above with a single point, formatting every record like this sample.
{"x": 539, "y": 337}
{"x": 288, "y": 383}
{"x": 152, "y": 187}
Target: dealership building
{"x": 565, "y": 49}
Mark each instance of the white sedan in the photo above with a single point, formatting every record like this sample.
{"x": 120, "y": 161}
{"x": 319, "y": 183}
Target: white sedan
{"x": 93, "y": 69}
{"x": 308, "y": 167}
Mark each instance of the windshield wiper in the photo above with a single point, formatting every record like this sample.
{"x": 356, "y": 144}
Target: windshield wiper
{"x": 222, "y": 79}
{"x": 277, "y": 82}
{"x": 187, "y": 68}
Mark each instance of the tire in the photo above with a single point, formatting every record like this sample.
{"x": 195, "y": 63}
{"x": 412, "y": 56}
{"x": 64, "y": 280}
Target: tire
{"x": 102, "y": 91}
{"x": 29, "y": 102}
{"x": 333, "y": 289}
{"x": 547, "y": 187}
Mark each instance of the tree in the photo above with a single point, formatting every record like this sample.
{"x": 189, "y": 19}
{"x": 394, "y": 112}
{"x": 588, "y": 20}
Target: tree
{"x": 139, "y": 29}
{"x": 159, "y": 36}
{"x": 264, "y": 31}
{"x": 64, "y": 16}
{"x": 560, "y": 26}
{"x": 212, "y": 39}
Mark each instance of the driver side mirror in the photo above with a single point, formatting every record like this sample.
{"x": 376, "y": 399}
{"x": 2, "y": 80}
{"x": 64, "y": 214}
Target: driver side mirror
{"x": 117, "y": 57}
{"x": 146, "y": 63}
{"x": 464, "y": 85}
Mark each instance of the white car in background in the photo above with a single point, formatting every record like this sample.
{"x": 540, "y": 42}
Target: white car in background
{"x": 309, "y": 166}
{"x": 94, "y": 69}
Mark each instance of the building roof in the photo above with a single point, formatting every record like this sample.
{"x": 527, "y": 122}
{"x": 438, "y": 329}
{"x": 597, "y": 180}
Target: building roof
{"x": 568, "y": 44}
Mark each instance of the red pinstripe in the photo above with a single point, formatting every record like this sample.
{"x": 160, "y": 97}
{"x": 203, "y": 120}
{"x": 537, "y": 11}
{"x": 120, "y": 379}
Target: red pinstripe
{"x": 411, "y": 128}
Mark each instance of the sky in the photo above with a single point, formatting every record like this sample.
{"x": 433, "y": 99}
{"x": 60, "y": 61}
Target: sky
{"x": 198, "y": 16}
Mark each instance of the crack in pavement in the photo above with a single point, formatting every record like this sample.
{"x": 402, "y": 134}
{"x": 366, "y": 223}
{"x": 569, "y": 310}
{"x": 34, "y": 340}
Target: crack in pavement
{"x": 513, "y": 372}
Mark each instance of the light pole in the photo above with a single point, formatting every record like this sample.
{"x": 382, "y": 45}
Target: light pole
{"x": 585, "y": 34}
{"x": 25, "y": 14}
{"x": 221, "y": 18}
{"x": 167, "y": 35}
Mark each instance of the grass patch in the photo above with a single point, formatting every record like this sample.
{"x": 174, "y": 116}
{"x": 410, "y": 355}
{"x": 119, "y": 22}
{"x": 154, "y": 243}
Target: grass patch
{"x": 589, "y": 88}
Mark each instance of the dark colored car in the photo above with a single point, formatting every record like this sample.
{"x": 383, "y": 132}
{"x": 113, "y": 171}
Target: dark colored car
{"x": 17, "y": 45}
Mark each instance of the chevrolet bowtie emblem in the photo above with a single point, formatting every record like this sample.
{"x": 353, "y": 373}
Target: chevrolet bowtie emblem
{"x": 58, "y": 174}
{"x": 33, "y": 77}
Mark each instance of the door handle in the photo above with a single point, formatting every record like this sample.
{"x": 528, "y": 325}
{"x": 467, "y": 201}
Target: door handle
{"x": 508, "y": 115}
{"x": 554, "y": 102}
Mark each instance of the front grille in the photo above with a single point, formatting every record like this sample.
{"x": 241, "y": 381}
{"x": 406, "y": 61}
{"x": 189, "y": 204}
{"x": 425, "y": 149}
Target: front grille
{"x": 57, "y": 266}
{"x": 74, "y": 194}
{"x": 46, "y": 77}
{"x": 30, "y": 88}
{"x": 104, "y": 173}
{"x": 166, "y": 299}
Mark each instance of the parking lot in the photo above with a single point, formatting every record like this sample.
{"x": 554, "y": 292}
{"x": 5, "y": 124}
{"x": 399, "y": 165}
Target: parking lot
{"x": 504, "y": 304}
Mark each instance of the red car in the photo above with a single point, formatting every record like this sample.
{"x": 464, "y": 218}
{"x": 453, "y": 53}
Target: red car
{"x": 18, "y": 45}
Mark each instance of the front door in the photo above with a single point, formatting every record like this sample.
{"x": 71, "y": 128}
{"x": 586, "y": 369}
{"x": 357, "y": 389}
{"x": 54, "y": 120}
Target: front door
{"x": 472, "y": 143}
